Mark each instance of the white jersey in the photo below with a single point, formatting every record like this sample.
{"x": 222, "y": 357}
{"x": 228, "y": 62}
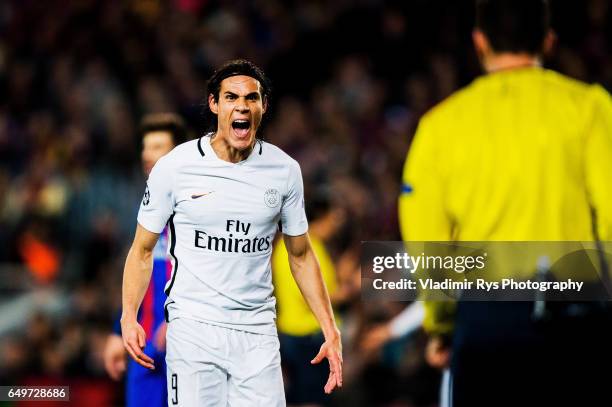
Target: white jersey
{"x": 222, "y": 219}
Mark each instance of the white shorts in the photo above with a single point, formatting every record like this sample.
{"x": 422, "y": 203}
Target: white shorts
{"x": 209, "y": 365}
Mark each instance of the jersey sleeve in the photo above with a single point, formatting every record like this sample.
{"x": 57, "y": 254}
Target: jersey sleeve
{"x": 293, "y": 215}
{"x": 422, "y": 212}
{"x": 158, "y": 201}
{"x": 598, "y": 161}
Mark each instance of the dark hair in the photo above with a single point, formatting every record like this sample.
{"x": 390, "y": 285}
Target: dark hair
{"x": 514, "y": 25}
{"x": 233, "y": 68}
{"x": 170, "y": 122}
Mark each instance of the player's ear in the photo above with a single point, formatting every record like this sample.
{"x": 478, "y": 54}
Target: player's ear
{"x": 212, "y": 104}
{"x": 549, "y": 43}
{"x": 265, "y": 104}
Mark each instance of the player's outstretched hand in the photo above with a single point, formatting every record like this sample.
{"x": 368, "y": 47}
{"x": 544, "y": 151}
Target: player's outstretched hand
{"x": 332, "y": 350}
{"x": 134, "y": 339}
{"x": 114, "y": 356}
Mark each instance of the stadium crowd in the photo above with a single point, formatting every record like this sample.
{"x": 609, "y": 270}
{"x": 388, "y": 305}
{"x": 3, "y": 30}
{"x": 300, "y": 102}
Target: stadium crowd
{"x": 351, "y": 79}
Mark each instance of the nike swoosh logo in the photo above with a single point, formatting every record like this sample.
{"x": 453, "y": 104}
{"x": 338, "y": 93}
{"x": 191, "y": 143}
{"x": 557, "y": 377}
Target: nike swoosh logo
{"x": 196, "y": 196}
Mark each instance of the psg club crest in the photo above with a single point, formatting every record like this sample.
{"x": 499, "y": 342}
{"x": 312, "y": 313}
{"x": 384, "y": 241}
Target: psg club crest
{"x": 272, "y": 197}
{"x": 147, "y": 196}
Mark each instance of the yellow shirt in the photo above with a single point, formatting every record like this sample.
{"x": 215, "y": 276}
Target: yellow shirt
{"x": 518, "y": 155}
{"x": 294, "y": 316}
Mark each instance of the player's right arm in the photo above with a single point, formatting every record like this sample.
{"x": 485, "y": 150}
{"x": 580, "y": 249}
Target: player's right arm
{"x": 156, "y": 208}
{"x": 136, "y": 277}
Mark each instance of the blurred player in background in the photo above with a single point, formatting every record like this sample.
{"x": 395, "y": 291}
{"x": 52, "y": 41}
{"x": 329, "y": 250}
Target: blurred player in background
{"x": 299, "y": 333}
{"x": 523, "y": 154}
{"x": 223, "y": 197}
{"x": 160, "y": 133}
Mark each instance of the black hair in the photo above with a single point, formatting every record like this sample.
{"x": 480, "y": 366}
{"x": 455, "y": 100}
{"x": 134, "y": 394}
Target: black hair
{"x": 514, "y": 25}
{"x": 233, "y": 68}
{"x": 170, "y": 122}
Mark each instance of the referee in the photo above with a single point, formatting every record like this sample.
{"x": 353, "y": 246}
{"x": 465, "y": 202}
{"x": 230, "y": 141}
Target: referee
{"x": 521, "y": 154}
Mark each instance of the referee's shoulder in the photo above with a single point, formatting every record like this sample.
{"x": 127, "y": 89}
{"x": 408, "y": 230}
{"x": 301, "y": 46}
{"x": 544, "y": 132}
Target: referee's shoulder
{"x": 572, "y": 87}
{"x": 581, "y": 97}
{"x": 452, "y": 106}
{"x": 586, "y": 99}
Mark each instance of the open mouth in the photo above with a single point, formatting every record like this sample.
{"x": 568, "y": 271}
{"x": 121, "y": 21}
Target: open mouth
{"x": 241, "y": 127}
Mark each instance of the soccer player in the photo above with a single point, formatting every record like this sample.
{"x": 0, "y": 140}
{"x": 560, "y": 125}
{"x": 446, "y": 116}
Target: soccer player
{"x": 524, "y": 154}
{"x": 223, "y": 196}
{"x": 160, "y": 133}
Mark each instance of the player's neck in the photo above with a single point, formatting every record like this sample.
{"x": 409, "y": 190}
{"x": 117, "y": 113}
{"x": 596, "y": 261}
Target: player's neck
{"x": 228, "y": 153}
{"x": 508, "y": 61}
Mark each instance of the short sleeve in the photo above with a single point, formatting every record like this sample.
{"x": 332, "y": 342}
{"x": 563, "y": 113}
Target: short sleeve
{"x": 158, "y": 201}
{"x": 422, "y": 212}
{"x": 293, "y": 215}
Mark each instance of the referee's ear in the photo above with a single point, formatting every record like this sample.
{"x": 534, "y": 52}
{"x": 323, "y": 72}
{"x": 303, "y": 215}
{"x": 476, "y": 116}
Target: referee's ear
{"x": 481, "y": 44}
{"x": 212, "y": 104}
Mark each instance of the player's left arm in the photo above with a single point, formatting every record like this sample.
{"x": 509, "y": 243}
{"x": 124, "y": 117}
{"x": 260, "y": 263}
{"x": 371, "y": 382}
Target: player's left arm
{"x": 307, "y": 274}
